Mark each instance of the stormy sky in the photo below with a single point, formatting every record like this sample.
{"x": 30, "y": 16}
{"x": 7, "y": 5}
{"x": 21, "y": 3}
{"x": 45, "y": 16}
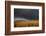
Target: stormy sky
{"x": 26, "y": 13}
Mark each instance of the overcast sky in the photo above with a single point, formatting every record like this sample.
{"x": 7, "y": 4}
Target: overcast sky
{"x": 26, "y": 13}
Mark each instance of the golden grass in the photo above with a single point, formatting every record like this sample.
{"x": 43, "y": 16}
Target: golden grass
{"x": 26, "y": 23}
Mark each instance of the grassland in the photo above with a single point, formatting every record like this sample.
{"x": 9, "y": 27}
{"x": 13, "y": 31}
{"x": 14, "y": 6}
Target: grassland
{"x": 23, "y": 23}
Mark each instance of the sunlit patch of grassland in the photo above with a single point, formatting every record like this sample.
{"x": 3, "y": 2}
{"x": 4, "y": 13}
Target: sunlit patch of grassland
{"x": 26, "y": 23}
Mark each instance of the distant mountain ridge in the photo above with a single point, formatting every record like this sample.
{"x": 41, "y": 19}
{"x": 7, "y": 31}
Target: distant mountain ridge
{"x": 21, "y": 19}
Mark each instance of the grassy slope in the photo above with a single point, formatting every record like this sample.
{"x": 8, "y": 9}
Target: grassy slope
{"x": 26, "y": 23}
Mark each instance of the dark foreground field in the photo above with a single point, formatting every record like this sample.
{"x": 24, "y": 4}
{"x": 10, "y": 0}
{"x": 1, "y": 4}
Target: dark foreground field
{"x": 23, "y": 23}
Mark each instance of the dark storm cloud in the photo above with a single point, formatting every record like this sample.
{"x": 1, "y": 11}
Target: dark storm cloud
{"x": 27, "y": 13}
